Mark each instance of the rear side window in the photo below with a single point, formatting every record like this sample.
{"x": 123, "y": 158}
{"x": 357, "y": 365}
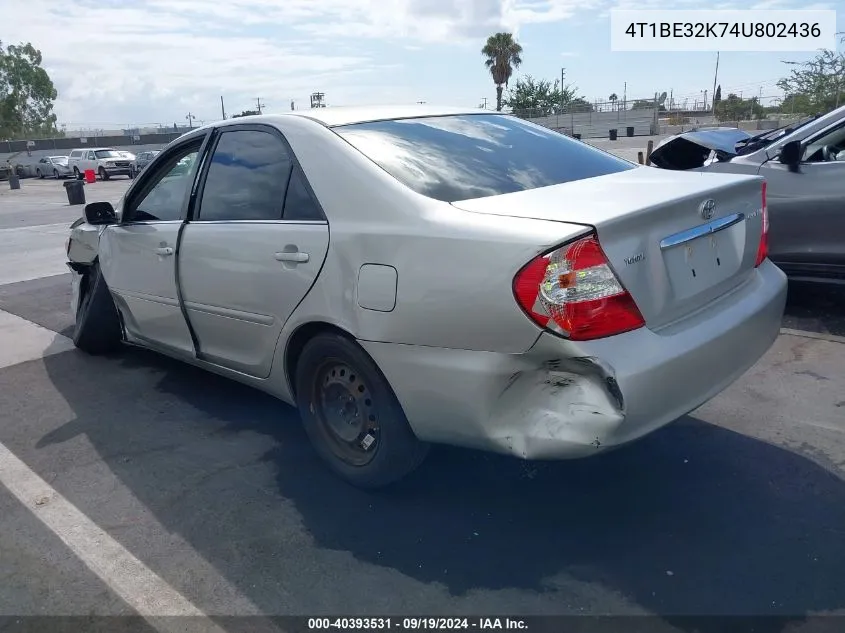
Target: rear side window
{"x": 299, "y": 204}
{"x": 468, "y": 156}
{"x": 247, "y": 177}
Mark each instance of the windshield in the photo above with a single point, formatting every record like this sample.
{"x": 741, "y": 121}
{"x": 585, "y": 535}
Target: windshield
{"x": 468, "y": 156}
{"x": 59, "y": 160}
{"x": 106, "y": 153}
{"x": 770, "y": 136}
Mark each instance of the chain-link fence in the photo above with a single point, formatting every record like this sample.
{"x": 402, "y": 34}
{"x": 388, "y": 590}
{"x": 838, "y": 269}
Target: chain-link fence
{"x": 583, "y": 119}
{"x": 638, "y": 117}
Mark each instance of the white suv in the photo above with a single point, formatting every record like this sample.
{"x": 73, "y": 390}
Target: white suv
{"x": 105, "y": 161}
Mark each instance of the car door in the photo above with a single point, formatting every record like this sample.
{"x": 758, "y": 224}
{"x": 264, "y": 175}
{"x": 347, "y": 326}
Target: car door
{"x": 252, "y": 249}
{"x": 807, "y": 208}
{"x": 138, "y": 255}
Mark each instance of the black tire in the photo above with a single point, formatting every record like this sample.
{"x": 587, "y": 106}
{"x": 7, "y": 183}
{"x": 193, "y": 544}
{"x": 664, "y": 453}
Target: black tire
{"x": 56, "y": 174}
{"x": 76, "y": 172}
{"x": 97, "y": 329}
{"x": 39, "y": 174}
{"x": 103, "y": 174}
{"x": 394, "y": 450}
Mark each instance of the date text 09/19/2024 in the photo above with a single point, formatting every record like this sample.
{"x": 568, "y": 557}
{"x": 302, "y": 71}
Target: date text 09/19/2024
{"x": 416, "y": 624}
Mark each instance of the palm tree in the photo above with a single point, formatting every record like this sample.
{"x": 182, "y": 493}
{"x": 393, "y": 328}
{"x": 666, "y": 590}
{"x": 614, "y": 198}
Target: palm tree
{"x": 503, "y": 56}
{"x": 613, "y": 99}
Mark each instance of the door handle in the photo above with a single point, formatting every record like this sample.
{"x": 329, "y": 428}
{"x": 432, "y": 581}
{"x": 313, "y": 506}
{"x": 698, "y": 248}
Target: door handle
{"x": 296, "y": 257}
{"x": 164, "y": 251}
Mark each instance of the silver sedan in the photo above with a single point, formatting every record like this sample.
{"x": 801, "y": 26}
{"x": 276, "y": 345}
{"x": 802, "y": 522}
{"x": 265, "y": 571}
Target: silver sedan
{"x": 408, "y": 276}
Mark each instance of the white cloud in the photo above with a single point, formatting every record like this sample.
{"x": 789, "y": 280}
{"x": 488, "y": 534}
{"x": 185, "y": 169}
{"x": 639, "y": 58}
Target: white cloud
{"x": 150, "y": 61}
{"x": 119, "y": 63}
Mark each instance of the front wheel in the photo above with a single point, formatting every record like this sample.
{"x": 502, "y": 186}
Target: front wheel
{"x": 103, "y": 174}
{"x": 97, "y": 329}
{"x": 56, "y": 174}
{"x": 352, "y": 416}
{"x": 39, "y": 174}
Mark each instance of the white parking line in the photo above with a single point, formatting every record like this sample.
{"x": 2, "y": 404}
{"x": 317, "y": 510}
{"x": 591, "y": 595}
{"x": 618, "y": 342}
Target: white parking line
{"x": 128, "y": 577}
{"x": 22, "y": 341}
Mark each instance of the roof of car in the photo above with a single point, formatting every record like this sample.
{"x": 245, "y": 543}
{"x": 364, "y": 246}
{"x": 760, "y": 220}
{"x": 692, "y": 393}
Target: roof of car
{"x": 347, "y": 115}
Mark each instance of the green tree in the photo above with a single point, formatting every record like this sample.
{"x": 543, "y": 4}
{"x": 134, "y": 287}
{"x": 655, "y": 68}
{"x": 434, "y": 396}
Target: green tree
{"x": 538, "y": 97}
{"x": 27, "y": 94}
{"x": 245, "y": 113}
{"x": 815, "y": 86}
{"x": 503, "y": 55}
{"x": 613, "y": 98}
{"x": 718, "y": 96}
{"x": 735, "y": 108}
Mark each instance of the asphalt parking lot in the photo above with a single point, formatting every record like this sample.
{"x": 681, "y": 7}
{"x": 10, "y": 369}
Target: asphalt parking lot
{"x": 170, "y": 491}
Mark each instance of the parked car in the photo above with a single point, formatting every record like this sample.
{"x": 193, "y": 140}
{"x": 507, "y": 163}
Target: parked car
{"x": 55, "y": 166}
{"x": 142, "y": 160}
{"x": 804, "y": 165}
{"x": 488, "y": 282}
{"x": 105, "y": 161}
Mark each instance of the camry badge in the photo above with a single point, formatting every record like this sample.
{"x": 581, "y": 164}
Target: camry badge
{"x": 707, "y": 208}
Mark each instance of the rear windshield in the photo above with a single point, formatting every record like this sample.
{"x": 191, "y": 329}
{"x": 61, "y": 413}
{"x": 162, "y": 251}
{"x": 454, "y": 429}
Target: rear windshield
{"x": 467, "y": 156}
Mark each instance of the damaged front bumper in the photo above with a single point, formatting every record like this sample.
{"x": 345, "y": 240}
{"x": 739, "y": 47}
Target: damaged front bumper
{"x": 562, "y": 400}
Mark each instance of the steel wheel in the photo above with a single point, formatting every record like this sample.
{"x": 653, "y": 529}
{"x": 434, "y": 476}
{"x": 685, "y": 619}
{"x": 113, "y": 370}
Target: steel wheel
{"x": 346, "y": 413}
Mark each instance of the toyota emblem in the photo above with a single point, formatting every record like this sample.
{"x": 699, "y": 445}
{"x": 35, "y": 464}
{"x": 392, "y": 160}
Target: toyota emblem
{"x": 707, "y": 209}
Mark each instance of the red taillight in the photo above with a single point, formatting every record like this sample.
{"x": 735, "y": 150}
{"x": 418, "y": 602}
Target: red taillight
{"x": 573, "y": 291}
{"x": 763, "y": 248}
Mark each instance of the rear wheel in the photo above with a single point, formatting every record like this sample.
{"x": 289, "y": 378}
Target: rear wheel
{"x": 97, "y": 329}
{"x": 352, "y": 416}
{"x": 56, "y": 174}
{"x": 38, "y": 173}
{"x": 76, "y": 173}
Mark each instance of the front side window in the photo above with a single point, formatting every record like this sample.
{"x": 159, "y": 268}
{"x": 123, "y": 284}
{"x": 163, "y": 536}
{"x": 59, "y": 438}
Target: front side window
{"x": 247, "y": 177}
{"x": 468, "y": 156}
{"x": 162, "y": 197}
{"x": 830, "y": 146}
{"x": 90, "y": 155}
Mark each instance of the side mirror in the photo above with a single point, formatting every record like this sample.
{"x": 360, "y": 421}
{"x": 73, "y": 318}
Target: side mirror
{"x": 100, "y": 213}
{"x": 790, "y": 155}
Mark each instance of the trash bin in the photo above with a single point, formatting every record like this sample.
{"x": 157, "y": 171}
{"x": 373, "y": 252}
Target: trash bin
{"x": 629, "y": 130}
{"x": 613, "y": 134}
{"x": 75, "y": 191}
{"x": 14, "y": 181}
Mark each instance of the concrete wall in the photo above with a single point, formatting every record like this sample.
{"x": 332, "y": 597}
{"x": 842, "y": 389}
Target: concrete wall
{"x": 599, "y": 124}
{"x": 752, "y": 127}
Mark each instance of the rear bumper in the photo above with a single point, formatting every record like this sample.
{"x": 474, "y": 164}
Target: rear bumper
{"x": 565, "y": 400}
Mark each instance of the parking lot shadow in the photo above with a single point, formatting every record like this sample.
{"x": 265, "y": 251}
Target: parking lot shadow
{"x": 695, "y": 519}
{"x": 816, "y": 308}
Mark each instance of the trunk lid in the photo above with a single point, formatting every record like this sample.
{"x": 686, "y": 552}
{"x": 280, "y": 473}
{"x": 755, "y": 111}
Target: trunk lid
{"x": 672, "y": 248}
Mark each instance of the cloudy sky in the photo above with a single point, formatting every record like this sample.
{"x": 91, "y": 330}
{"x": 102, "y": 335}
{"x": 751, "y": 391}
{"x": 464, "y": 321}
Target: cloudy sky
{"x": 117, "y": 63}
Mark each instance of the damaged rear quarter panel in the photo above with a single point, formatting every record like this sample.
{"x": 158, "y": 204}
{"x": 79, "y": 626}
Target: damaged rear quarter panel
{"x": 566, "y": 406}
